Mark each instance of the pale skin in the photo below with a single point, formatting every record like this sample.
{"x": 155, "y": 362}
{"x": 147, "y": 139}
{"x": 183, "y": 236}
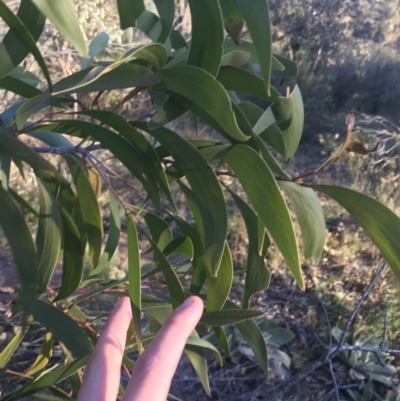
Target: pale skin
{"x": 153, "y": 372}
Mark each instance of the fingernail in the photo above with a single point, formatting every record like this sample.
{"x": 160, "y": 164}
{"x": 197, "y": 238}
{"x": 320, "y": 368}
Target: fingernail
{"x": 118, "y": 303}
{"x": 189, "y": 301}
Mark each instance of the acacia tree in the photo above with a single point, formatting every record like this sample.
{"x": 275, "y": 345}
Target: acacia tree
{"x": 202, "y": 76}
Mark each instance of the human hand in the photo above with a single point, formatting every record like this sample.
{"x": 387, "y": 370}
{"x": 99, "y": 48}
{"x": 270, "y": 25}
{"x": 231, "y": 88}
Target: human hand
{"x": 154, "y": 369}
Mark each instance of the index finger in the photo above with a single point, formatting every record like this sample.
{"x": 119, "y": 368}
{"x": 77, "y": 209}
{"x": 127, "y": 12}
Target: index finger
{"x": 153, "y": 372}
{"x": 102, "y": 373}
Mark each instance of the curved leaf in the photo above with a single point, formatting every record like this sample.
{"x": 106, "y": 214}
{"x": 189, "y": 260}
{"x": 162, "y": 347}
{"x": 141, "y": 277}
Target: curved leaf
{"x": 166, "y": 11}
{"x": 175, "y": 289}
{"x": 248, "y": 47}
{"x": 160, "y": 231}
{"x": 257, "y": 20}
{"x": 240, "y": 80}
{"x": 198, "y": 342}
{"x": 154, "y": 53}
{"x": 48, "y": 378}
{"x": 233, "y": 19}
{"x": 206, "y": 45}
{"x": 289, "y": 67}
{"x": 114, "y": 231}
{"x": 63, "y": 327}
{"x": 48, "y": 239}
{"x": 199, "y": 261}
{"x": 8, "y": 351}
{"x": 183, "y": 245}
{"x": 310, "y": 217}
{"x": 380, "y": 223}
{"x": 134, "y": 279}
{"x": 89, "y": 207}
{"x": 218, "y": 287}
{"x": 201, "y": 88}
{"x": 289, "y": 116}
{"x": 96, "y": 46}
{"x": 235, "y": 58}
{"x": 102, "y": 79}
{"x": 23, "y": 34}
{"x": 266, "y": 128}
{"x": 258, "y": 275}
{"x": 212, "y": 218}
{"x": 73, "y": 254}
{"x": 23, "y": 248}
{"x": 263, "y": 192}
{"x": 129, "y": 11}
{"x": 12, "y": 51}
{"x": 63, "y": 16}
{"x": 44, "y": 357}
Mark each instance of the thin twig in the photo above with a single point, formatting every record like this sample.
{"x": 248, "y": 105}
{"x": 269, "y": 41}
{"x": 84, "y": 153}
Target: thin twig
{"x": 328, "y": 323}
{"x": 359, "y": 303}
{"x": 68, "y": 149}
{"x": 385, "y": 321}
{"x": 334, "y": 381}
{"x": 333, "y": 351}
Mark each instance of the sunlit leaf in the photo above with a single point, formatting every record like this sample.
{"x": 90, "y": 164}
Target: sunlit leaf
{"x": 44, "y": 357}
{"x": 289, "y": 116}
{"x": 263, "y": 192}
{"x": 309, "y": 216}
{"x": 235, "y": 58}
{"x": 48, "y": 378}
{"x": 8, "y": 351}
{"x": 379, "y": 222}
{"x": 63, "y": 16}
